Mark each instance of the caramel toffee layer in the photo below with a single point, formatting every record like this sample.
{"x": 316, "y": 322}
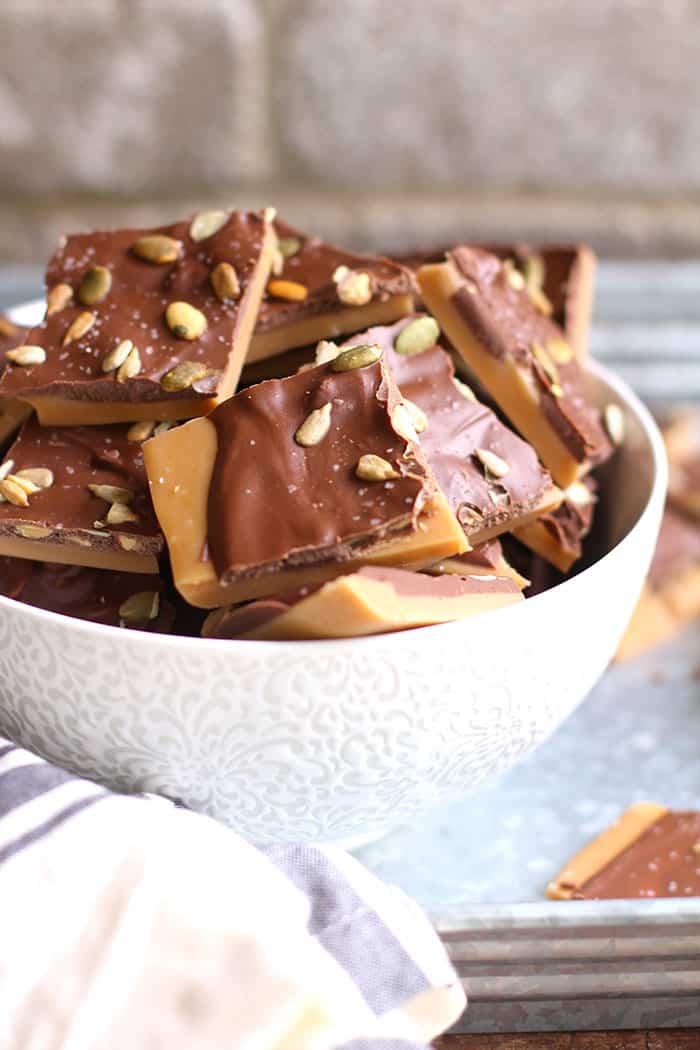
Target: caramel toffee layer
{"x": 457, "y": 431}
{"x": 312, "y": 263}
{"x": 662, "y": 862}
{"x": 275, "y": 502}
{"x": 558, "y": 535}
{"x": 507, "y": 325}
{"x": 119, "y": 599}
{"x": 68, "y": 511}
{"x": 116, "y": 285}
{"x": 403, "y": 598}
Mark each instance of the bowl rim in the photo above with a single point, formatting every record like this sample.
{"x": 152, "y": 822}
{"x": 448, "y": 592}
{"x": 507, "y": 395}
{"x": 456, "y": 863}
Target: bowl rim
{"x": 235, "y": 645}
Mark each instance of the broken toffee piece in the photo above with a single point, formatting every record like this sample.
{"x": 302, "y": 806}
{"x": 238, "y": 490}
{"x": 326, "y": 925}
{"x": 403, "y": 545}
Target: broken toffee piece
{"x": 145, "y": 324}
{"x": 486, "y": 559}
{"x": 558, "y": 535}
{"x": 120, "y": 599}
{"x": 78, "y": 495}
{"x": 295, "y": 481}
{"x": 650, "y": 851}
{"x": 318, "y": 291}
{"x": 12, "y": 412}
{"x": 373, "y": 600}
{"x": 522, "y": 358}
{"x": 491, "y": 478}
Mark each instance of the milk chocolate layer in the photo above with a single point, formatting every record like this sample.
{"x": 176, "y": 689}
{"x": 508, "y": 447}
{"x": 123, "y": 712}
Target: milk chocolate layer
{"x": 458, "y": 430}
{"x": 67, "y": 521}
{"x": 322, "y": 314}
{"x": 275, "y": 503}
{"x": 133, "y": 308}
{"x": 371, "y": 601}
{"x": 88, "y": 594}
{"x": 12, "y": 412}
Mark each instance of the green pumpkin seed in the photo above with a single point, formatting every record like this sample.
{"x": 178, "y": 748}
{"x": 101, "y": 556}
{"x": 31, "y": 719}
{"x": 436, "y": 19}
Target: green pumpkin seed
{"x": 374, "y": 468}
{"x": 157, "y": 248}
{"x": 95, "y": 285}
{"x": 185, "y": 321}
{"x": 417, "y": 336}
{"x": 184, "y": 375}
{"x": 356, "y": 357}
{"x": 315, "y": 427}
{"x": 207, "y": 223}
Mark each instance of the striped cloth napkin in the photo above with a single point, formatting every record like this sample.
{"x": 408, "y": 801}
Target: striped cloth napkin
{"x": 129, "y": 922}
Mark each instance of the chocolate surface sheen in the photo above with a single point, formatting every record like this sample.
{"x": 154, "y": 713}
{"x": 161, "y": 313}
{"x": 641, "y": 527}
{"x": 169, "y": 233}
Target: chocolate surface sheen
{"x": 660, "y": 863}
{"x": 507, "y": 324}
{"x": 457, "y": 427}
{"x": 79, "y": 457}
{"x": 134, "y": 309}
{"x": 88, "y": 594}
{"x": 273, "y": 502}
{"x": 313, "y": 266}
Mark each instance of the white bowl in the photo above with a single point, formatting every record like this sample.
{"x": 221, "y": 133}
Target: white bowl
{"x": 335, "y": 740}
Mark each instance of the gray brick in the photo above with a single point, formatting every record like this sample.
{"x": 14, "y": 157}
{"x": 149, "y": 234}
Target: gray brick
{"x": 127, "y": 95}
{"x": 538, "y": 94}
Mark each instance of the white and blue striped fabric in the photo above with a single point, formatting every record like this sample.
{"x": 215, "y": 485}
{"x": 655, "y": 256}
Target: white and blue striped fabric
{"x": 131, "y": 922}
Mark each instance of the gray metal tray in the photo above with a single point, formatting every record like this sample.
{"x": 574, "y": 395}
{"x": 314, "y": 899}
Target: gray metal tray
{"x": 480, "y": 866}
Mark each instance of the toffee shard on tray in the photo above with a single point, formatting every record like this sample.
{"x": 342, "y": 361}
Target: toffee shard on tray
{"x": 522, "y": 359}
{"x": 558, "y": 535}
{"x": 559, "y": 279}
{"x": 372, "y": 600}
{"x": 12, "y": 412}
{"x": 491, "y": 478}
{"x": 650, "y": 851}
{"x": 119, "y": 599}
{"x": 296, "y": 481}
{"x": 318, "y": 291}
{"x": 145, "y": 324}
{"x": 78, "y": 495}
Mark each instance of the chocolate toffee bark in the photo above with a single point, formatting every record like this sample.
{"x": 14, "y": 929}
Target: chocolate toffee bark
{"x": 373, "y": 600}
{"x": 671, "y": 594}
{"x": 295, "y": 481}
{"x": 119, "y": 599}
{"x": 558, "y": 535}
{"x": 145, "y": 324}
{"x": 522, "y": 358}
{"x": 78, "y": 495}
{"x": 491, "y": 478}
{"x": 559, "y": 279}
{"x": 650, "y": 851}
{"x": 318, "y": 291}
{"x": 12, "y": 412}
{"x": 486, "y": 559}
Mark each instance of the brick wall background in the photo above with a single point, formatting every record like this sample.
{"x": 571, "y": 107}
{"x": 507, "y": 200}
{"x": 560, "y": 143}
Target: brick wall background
{"x": 379, "y": 123}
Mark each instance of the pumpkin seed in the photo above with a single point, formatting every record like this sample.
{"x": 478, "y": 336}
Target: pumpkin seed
{"x": 42, "y": 477}
{"x": 402, "y": 423}
{"x": 13, "y": 492}
{"x": 95, "y": 285}
{"x": 207, "y": 223}
{"x": 326, "y": 351}
{"x": 116, "y": 357}
{"x": 6, "y": 468}
{"x": 492, "y": 463}
{"x": 288, "y": 246}
{"x": 33, "y": 532}
{"x": 513, "y": 276}
{"x": 293, "y": 291}
{"x": 614, "y": 423}
{"x": 26, "y": 355}
{"x": 356, "y": 357}
{"x": 120, "y": 514}
{"x": 112, "y": 493}
{"x": 157, "y": 248}
{"x": 162, "y": 427}
{"x": 25, "y": 483}
{"x": 417, "y": 336}
{"x": 374, "y": 468}
{"x": 140, "y": 431}
{"x": 418, "y": 416}
{"x": 355, "y": 289}
{"x": 224, "y": 281}
{"x": 58, "y": 297}
{"x": 465, "y": 391}
{"x": 140, "y": 607}
{"x": 315, "y": 427}
{"x": 185, "y": 321}
{"x": 78, "y": 327}
{"x": 184, "y": 375}
{"x": 559, "y": 350}
{"x": 130, "y": 367}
